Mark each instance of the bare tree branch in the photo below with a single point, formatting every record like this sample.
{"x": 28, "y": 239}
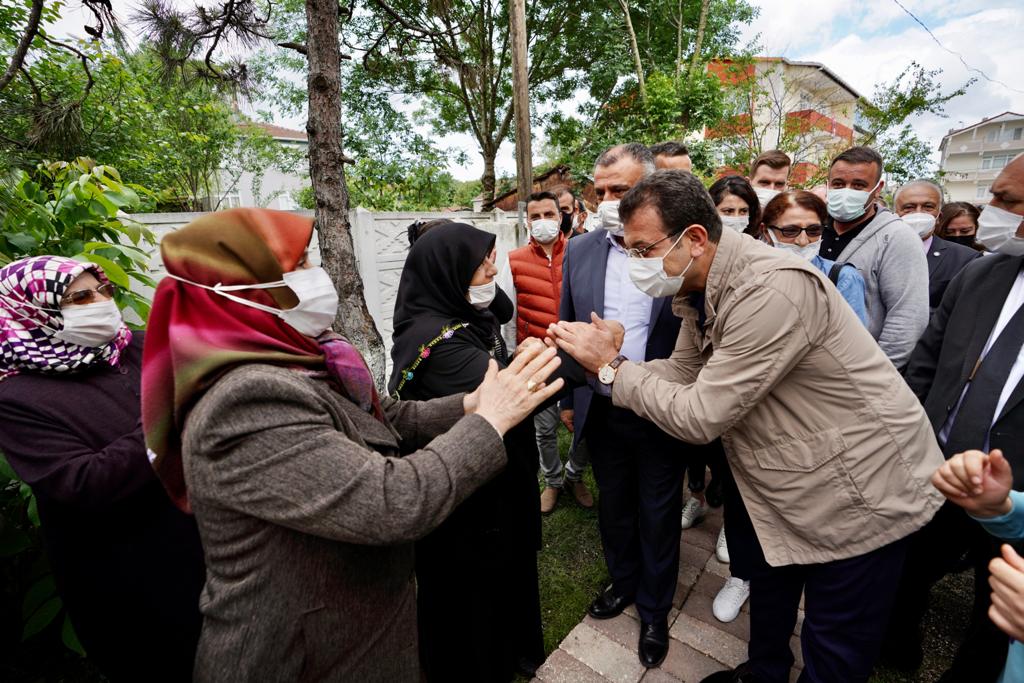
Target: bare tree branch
{"x": 31, "y": 29}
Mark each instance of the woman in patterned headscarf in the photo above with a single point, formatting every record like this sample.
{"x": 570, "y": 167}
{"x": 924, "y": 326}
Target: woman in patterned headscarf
{"x": 308, "y": 487}
{"x": 127, "y": 563}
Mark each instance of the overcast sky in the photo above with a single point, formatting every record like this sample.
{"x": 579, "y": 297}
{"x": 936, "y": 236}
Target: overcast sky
{"x": 865, "y": 43}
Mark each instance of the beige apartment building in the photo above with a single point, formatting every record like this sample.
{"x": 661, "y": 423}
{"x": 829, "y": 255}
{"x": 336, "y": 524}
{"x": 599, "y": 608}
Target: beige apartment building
{"x": 972, "y": 157}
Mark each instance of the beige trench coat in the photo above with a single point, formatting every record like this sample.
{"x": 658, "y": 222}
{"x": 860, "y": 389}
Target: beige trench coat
{"x": 830, "y": 449}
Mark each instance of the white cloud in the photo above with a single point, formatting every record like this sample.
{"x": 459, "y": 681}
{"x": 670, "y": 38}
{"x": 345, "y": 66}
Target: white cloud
{"x": 872, "y": 43}
{"x": 864, "y": 43}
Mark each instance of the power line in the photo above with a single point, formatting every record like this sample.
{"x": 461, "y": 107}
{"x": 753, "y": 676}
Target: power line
{"x": 954, "y": 53}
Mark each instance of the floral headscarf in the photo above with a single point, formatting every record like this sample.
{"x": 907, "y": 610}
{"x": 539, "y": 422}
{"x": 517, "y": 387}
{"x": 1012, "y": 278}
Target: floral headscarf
{"x": 30, "y": 293}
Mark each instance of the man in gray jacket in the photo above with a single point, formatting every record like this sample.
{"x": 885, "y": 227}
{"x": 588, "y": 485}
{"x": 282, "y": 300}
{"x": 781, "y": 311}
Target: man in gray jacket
{"x": 831, "y": 451}
{"x": 885, "y": 250}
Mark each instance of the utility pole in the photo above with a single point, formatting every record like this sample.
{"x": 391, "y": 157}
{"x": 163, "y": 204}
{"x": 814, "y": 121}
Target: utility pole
{"x": 521, "y": 104}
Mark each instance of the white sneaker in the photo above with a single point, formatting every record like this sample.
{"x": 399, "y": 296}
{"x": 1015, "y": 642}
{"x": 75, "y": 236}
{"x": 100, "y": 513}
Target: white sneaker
{"x": 722, "y": 548}
{"x": 693, "y": 512}
{"x": 730, "y": 599}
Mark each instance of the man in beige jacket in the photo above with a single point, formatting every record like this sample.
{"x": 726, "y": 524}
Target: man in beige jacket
{"x": 831, "y": 451}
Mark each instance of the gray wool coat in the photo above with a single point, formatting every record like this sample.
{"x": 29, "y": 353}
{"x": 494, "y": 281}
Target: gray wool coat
{"x": 307, "y": 514}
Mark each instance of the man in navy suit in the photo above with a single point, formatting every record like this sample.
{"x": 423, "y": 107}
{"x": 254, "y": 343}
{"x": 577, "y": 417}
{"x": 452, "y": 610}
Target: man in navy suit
{"x": 638, "y": 468}
{"x": 918, "y": 203}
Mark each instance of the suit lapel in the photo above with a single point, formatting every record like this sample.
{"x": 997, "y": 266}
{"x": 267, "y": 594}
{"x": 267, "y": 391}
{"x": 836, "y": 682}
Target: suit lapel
{"x": 936, "y": 252}
{"x": 657, "y": 306}
{"x": 599, "y": 269}
{"x": 1016, "y": 397}
{"x": 989, "y": 307}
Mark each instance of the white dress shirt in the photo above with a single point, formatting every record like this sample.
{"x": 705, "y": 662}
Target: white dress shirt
{"x": 625, "y": 303}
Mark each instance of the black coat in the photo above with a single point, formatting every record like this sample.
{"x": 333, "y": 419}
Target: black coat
{"x": 945, "y": 260}
{"x": 477, "y": 589}
{"x": 128, "y": 564}
{"x": 942, "y": 362}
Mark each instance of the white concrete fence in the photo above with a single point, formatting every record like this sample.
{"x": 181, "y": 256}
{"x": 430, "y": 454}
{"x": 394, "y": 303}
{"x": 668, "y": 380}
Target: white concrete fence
{"x": 381, "y": 245}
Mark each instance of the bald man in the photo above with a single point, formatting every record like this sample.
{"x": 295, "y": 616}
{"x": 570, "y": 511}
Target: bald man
{"x": 918, "y": 203}
{"x": 968, "y": 372}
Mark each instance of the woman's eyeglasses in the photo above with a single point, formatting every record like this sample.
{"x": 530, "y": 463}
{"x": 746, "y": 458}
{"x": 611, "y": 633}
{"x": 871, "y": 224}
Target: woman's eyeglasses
{"x": 794, "y": 231}
{"x": 80, "y": 297}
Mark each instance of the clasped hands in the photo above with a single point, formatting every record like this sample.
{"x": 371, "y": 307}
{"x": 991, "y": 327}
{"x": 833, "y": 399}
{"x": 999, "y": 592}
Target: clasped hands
{"x": 592, "y": 344}
{"x": 980, "y": 483}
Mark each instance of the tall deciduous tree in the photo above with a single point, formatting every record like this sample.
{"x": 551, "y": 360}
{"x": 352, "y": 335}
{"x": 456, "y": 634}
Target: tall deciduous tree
{"x": 646, "y": 77}
{"x": 459, "y": 60}
{"x": 181, "y": 36}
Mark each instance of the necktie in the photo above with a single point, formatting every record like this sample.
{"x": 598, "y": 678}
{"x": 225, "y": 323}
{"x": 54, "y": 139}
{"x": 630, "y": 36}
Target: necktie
{"x": 977, "y": 409}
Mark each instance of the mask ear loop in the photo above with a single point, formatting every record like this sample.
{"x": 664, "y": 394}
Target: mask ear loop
{"x": 225, "y": 291}
{"x": 12, "y": 307}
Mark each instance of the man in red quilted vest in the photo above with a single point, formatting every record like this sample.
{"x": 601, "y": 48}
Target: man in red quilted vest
{"x": 536, "y": 275}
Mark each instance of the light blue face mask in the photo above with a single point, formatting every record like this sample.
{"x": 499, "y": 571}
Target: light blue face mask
{"x": 847, "y": 205}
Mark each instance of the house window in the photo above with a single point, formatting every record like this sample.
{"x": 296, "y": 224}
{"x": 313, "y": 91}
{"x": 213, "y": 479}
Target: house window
{"x": 230, "y": 200}
{"x": 1018, "y": 133}
{"x": 992, "y": 135}
{"x": 995, "y": 161}
{"x": 981, "y": 192}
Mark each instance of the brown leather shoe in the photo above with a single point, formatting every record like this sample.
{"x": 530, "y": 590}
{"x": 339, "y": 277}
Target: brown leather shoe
{"x": 582, "y": 494}
{"x": 548, "y": 498}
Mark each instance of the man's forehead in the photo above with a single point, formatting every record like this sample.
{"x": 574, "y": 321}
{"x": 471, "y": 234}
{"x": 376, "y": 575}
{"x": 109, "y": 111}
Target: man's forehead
{"x": 644, "y": 227}
{"x": 918, "y": 193}
{"x": 868, "y": 168}
{"x": 626, "y": 170}
{"x": 540, "y": 205}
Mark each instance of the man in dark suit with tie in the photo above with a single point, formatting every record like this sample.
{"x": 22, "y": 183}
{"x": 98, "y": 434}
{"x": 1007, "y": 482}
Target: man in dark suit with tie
{"x": 638, "y": 468}
{"x": 918, "y": 203}
{"x": 967, "y": 370}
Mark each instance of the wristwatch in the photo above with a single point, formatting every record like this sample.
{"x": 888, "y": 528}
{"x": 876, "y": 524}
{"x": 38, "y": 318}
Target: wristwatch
{"x": 606, "y": 373}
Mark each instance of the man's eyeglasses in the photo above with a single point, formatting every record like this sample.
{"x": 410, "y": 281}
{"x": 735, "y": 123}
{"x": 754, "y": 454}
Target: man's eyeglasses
{"x": 640, "y": 253}
{"x": 80, "y": 297}
{"x": 794, "y": 231}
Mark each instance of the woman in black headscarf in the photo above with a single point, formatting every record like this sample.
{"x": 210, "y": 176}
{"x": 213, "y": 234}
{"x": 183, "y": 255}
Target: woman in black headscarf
{"x": 477, "y": 598}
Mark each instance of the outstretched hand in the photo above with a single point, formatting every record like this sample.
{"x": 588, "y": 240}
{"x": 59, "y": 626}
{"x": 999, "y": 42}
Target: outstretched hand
{"x": 976, "y": 481}
{"x": 508, "y": 396}
{"x": 1007, "y": 582}
{"x": 592, "y": 344}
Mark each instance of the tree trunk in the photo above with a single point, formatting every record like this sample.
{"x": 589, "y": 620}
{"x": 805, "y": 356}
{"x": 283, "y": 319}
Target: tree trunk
{"x": 487, "y": 179}
{"x": 327, "y": 175}
{"x": 699, "y": 43}
{"x": 635, "y": 50}
{"x": 679, "y": 45}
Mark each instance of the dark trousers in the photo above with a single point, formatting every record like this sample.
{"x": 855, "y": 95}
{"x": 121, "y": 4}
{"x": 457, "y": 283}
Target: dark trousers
{"x": 639, "y": 474}
{"x": 846, "y": 606}
{"x": 934, "y": 551}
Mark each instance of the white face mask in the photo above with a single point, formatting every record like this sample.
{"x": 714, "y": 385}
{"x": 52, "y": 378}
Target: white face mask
{"x": 765, "y": 195}
{"x": 608, "y": 217}
{"x": 91, "y": 325}
{"x": 922, "y": 223}
{"x": 997, "y": 230}
{"x": 847, "y": 205}
{"x": 737, "y": 223}
{"x": 481, "y": 296}
{"x": 318, "y": 300}
{"x": 545, "y": 230}
{"x": 649, "y": 276}
{"x": 806, "y": 252}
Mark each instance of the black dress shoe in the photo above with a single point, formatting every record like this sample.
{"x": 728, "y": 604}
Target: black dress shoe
{"x": 608, "y": 604}
{"x": 653, "y": 643}
{"x": 740, "y": 674}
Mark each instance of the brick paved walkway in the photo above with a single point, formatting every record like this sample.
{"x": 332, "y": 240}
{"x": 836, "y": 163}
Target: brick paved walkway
{"x": 597, "y": 651}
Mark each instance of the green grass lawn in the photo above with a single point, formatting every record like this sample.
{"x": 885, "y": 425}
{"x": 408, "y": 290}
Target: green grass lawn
{"x": 572, "y": 571}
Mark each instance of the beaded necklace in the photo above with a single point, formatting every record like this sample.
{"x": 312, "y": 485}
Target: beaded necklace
{"x": 410, "y": 372}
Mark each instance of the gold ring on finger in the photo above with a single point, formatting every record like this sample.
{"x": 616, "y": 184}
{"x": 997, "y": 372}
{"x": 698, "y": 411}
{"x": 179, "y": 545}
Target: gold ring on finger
{"x": 531, "y": 386}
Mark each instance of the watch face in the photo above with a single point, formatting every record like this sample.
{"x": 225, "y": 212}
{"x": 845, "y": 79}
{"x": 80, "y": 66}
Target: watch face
{"x": 606, "y": 374}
